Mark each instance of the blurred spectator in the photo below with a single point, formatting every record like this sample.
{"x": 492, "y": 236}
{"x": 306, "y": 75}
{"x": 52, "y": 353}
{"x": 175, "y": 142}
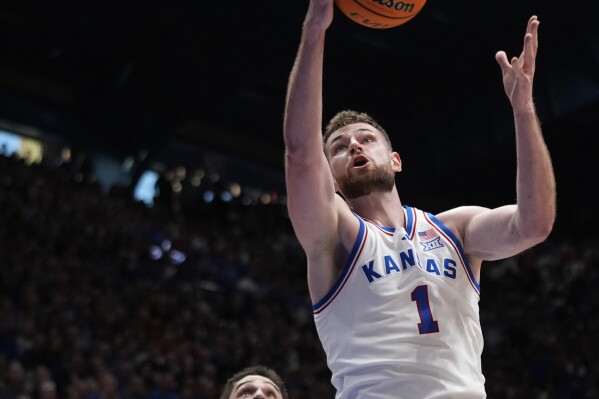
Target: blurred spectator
{"x": 107, "y": 387}
{"x": 13, "y": 385}
{"x": 47, "y": 390}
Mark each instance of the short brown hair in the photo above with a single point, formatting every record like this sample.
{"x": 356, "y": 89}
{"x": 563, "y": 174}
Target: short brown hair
{"x": 348, "y": 117}
{"x": 255, "y": 370}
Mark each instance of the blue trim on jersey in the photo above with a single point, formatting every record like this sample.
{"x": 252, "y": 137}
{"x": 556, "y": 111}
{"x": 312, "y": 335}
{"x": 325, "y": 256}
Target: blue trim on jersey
{"x": 387, "y": 229}
{"x": 409, "y": 221}
{"x": 458, "y": 246}
{"x": 346, "y": 269}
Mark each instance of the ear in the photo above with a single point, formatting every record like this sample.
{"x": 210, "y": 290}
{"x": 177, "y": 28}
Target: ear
{"x": 396, "y": 162}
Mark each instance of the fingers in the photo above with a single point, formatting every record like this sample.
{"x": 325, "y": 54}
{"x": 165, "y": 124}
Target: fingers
{"x": 516, "y": 65}
{"x": 531, "y": 44}
{"x": 532, "y": 30}
{"x": 501, "y": 58}
{"x": 529, "y": 51}
{"x": 531, "y": 21}
{"x": 529, "y": 54}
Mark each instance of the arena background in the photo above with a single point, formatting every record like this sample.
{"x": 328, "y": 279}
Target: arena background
{"x": 102, "y": 283}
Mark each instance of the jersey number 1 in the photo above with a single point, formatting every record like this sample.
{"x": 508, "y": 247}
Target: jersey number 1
{"x": 427, "y": 324}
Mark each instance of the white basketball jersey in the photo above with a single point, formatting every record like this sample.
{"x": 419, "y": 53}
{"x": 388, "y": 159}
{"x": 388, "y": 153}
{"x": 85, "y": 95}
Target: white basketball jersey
{"x": 402, "y": 321}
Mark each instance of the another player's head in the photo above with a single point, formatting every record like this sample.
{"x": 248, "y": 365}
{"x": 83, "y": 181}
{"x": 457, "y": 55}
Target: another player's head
{"x": 255, "y": 380}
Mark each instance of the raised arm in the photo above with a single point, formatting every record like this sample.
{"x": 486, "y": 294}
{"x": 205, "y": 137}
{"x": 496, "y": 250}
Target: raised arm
{"x": 535, "y": 179}
{"x": 506, "y": 231}
{"x": 310, "y": 187}
{"x": 314, "y": 208}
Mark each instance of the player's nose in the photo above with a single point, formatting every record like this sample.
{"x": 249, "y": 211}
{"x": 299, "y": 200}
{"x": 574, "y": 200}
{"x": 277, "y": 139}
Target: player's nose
{"x": 355, "y": 147}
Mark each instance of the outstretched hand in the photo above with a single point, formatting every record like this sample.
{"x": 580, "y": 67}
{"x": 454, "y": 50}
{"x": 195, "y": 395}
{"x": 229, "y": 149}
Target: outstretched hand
{"x": 518, "y": 73}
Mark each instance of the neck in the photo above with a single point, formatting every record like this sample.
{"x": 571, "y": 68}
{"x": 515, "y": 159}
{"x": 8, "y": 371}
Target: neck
{"x": 384, "y": 209}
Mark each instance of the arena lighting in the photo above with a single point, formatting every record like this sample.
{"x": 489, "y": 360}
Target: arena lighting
{"x": 195, "y": 181}
{"x": 145, "y": 189}
{"x": 9, "y": 143}
{"x": 176, "y": 257}
{"x": 66, "y": 154}
{"x": 166, "y": 245}
{"x": 181, "y": 172}
{"x": 208, "y": 196}
{"x": 29, "y": 149}
{"x": 155, "y": 252}
{"x": 226, "y": 196}
{"x": 177, "y": 186}
{"x": 235, "y": 189}
{"x": 265, "y": 198}
{"x": 165, "y": 250}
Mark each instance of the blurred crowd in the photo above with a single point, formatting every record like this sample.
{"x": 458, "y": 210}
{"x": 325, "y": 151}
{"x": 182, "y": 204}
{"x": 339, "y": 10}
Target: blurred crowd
{"x": 104, "y": 297}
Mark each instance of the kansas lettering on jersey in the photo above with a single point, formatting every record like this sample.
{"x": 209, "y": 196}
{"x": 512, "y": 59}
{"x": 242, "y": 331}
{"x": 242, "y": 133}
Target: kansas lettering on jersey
{"x": 402, "y": 321}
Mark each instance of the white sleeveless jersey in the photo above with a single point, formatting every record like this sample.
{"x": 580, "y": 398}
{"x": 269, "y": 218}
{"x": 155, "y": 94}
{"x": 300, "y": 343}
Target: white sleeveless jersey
{"x": 402, "y": 321}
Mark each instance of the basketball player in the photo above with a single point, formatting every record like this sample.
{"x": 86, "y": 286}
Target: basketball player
{"x": 395, "y": 290}
{"x": 255, "y": 382}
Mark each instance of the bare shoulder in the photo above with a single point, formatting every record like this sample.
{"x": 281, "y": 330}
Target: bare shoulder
{"x": 461, "y": 214}
{"x": 326, "y": 259}
{"x": 457, "y": 219}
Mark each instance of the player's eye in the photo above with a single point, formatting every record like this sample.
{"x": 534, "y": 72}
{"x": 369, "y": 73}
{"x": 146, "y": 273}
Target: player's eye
{"x": 245, "y": 393}
{"x": 339, "y": 147}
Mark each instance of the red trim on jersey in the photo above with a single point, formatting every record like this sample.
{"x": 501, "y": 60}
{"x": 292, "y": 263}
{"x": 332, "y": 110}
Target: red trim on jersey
{"x": 390, "y": 234}
{"x": 414, "y": 224}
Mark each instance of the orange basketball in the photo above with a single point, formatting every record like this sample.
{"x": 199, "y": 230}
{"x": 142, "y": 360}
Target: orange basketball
{"x": 380, "y": 14}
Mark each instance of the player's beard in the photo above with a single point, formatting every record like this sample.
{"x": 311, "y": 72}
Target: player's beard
{"x": 376, "y": 179}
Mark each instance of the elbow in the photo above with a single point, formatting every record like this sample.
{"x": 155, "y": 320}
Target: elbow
{"x": 547, "y": 221}
{"x": 543, "y": 230}
{"x": 294, "y": 149}
{"x": 303, "y": 154}
{"x": 296, "y": 156}
{"x": 538, "y": 229}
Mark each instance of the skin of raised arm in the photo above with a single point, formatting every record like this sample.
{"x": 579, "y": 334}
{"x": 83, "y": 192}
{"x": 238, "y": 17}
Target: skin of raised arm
{"x": 490, "y": 234}
{"x": 313, "y": 206}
